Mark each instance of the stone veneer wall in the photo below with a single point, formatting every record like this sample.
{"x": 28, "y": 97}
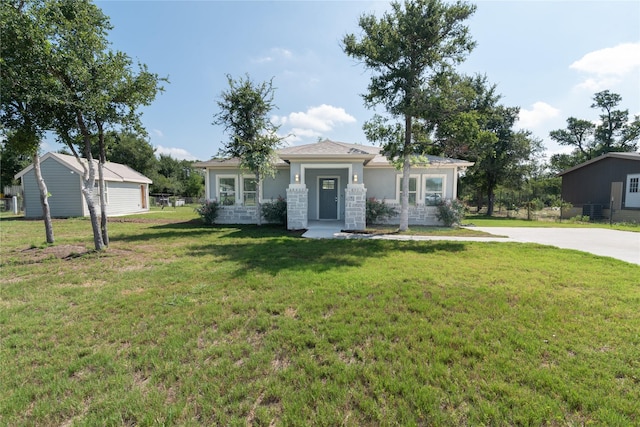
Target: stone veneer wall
{"x": 355, "y": 207}
{"x": 297, "y": 206}
{"x": 418, "y": 215}
{"x": 237, "y": 215}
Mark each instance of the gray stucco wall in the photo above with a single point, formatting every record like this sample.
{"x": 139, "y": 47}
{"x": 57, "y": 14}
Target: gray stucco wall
{"x": 381, "y": 183}
{"x": 64, "y": 186}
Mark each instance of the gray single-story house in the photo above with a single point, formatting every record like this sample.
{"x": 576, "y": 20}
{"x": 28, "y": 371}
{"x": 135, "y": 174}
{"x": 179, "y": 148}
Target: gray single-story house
{"x": 331, "y": 180}
{"x": 608, "y": 182}
{"x": 127, "y": 191}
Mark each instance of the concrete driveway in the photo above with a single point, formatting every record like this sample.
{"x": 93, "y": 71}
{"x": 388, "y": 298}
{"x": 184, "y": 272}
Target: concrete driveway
{"x": 622, "y": 245}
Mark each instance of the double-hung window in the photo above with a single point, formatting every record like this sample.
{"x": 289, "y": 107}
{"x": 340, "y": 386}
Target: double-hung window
{"x": 249, "y": 191}
{"x": 413, "y": 190}
{"x": 227, "y": 190}
{"x": 433, "y": 189}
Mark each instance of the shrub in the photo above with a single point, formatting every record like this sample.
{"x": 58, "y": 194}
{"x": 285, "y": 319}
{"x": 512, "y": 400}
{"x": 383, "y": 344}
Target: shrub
{"x": 208, "y": 211}
{"x": 379, "y": 211}
{"x": 450, "y": 212}
{"x": 275, "y": 212}
{"x": 580, "y": 218}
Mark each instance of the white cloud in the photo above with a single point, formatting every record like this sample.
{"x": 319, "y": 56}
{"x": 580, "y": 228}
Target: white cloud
{"x": 315, "y": 121}
{"x": 540, "y": 113}
{"x": 158, "y": 133}
{"x": 176, "y": 153}
{"x": 274, "y": 54}
{"x": 606, "y": 67}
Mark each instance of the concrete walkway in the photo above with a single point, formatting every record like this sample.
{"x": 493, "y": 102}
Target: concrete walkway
{"x": 622, "y": 245}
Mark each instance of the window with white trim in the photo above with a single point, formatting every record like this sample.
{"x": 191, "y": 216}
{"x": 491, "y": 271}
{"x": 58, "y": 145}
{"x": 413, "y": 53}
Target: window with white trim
{"x": 227, "y": 190}
{"x": 413, "y": 189}
{"x": 433, "y": 189}
{"x": 249, "y": 191}
{"x": 633, "y": 184}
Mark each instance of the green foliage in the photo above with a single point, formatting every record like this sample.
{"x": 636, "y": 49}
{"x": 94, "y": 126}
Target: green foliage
{"x": 177, "y": 177}
{"x": 244, "y": 113}
{"x": 276, "y": 211}
{"x": 450, "y": 212}
{"x": 580, "y": 218}
{"x": 615, "y": 132}
{"x": 208, "y": 211}
{"x": 11, "y": 162}
{"x": 378, "y": 211}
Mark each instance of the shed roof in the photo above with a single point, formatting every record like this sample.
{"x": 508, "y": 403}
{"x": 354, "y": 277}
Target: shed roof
{"x": 611, "y": 155}
{"x": 113, "y": 172}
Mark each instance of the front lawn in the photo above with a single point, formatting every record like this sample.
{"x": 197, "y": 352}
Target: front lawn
{"x": 181, "y": 324}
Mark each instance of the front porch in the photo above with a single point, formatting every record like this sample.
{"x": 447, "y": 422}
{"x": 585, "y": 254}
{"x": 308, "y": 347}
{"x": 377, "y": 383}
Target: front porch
{"x": 326, "y": 229}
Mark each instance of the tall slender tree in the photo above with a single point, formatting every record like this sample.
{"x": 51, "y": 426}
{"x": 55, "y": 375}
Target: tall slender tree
{"x": 244, "y": 113}
{"x": 26, "y": 89}
{"x": 405, "y": 49}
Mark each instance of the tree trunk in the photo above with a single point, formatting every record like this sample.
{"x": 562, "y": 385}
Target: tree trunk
{"x": 103, "y": 204}
{"x": 102, "y": 185}
{"x": 44, "y": 199}
{"x": 406, "y": 171}
{"x": 89, "y": 181}
{"x": 258, "y": 197}
{"x": 491, "y": 199}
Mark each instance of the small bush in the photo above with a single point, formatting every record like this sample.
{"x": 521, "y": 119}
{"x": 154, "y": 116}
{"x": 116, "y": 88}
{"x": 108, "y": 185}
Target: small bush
{"x": 208, "y": 211}
{"x": 378, "y": 211}
{"x": 450, "y": 212}
{"x": 580, "y": 218}
{"x": 275, "y": 212}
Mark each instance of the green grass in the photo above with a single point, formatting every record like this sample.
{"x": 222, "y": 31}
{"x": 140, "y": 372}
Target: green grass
{"x": 501, "y": 221}
{"x": 181, "y": 324}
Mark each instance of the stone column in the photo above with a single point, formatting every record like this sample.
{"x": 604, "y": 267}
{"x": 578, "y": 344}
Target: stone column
{"x": 297, "y": 206}
{"x": 355, "y": 207}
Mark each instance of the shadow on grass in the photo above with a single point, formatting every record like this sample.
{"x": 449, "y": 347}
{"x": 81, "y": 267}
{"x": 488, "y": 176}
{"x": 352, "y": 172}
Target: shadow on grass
{"x": 273, "y": 256}
{"x": 195, "y": 228}
{"x": 272, "y": 248}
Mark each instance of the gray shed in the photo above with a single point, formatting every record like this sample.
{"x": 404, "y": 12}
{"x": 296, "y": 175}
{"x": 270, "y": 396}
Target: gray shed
{"x": 127, "y": 191}
{"x": 605, "y": 183}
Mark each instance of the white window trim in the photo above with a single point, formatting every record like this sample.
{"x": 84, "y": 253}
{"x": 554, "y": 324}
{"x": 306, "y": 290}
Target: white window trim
{"x": 631, "y": 177}
{"x": 631, "y": 200}
{"x": 424, "y": 185}
{"x": 235, "y": 187}
{"x": 259, "y": 189}
{"x": 419, "y": 199}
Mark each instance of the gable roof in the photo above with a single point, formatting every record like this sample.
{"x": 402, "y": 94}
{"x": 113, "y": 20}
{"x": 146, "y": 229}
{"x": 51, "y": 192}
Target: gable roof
{"x": 333, "y": 150}
{"x": 610, "y": 155}
{"x": 113, "y": 172}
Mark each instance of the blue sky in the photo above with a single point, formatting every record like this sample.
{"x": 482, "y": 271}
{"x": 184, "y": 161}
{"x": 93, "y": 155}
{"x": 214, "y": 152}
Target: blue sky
{"x": 547, "y": 57}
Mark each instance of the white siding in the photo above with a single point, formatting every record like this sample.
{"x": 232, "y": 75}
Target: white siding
{"x": 64, "y": 188}
{"x": 124, "y": 198}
